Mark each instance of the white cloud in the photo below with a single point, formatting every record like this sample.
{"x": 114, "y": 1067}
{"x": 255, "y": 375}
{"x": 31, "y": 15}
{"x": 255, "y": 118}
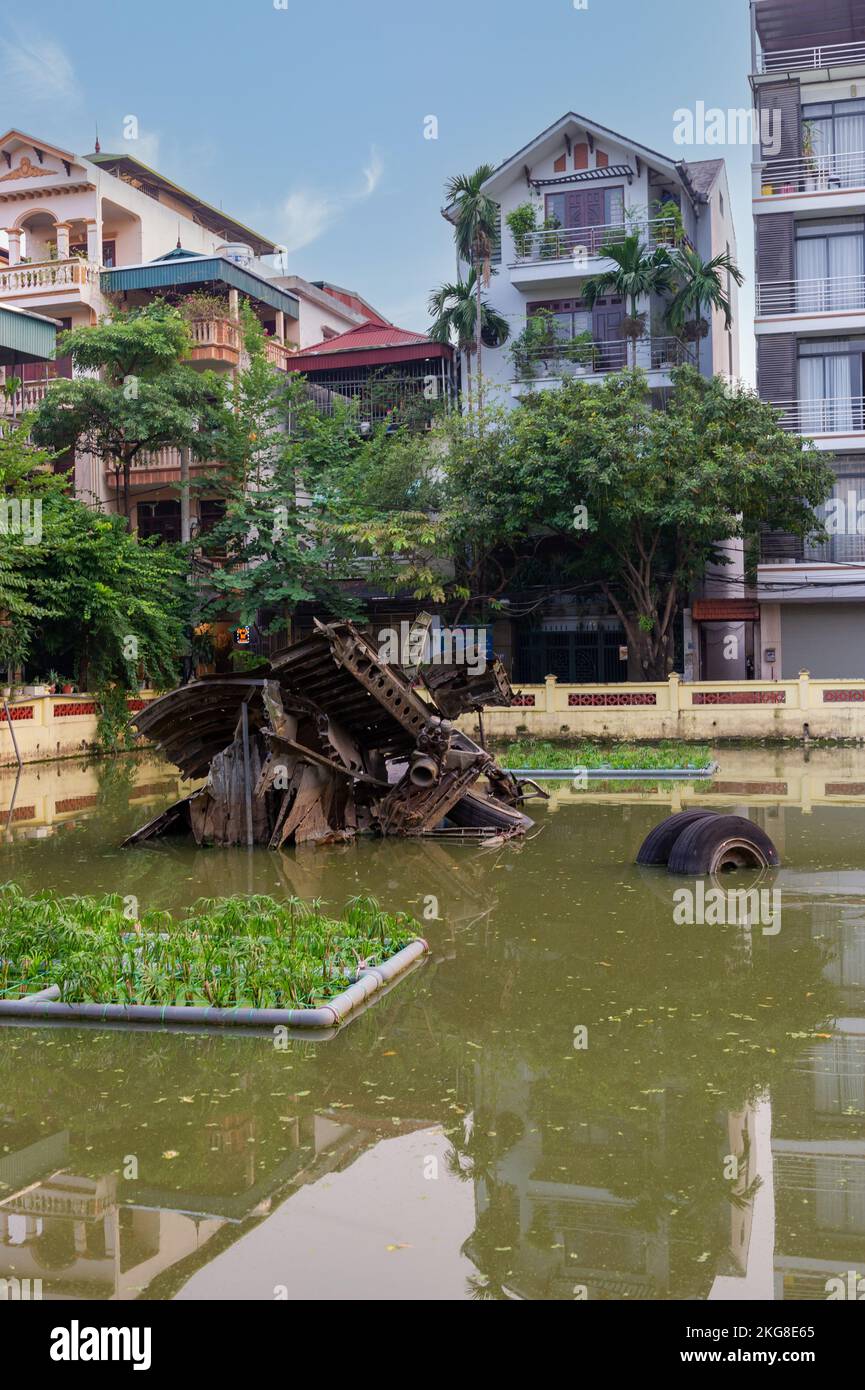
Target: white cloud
{"x": 36, "y": 70}
{"x": 306, "y": 213}
{"x": 304, "y": 216}
{"x": 372, "y": 173}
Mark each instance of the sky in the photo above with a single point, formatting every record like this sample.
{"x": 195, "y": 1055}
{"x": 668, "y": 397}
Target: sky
{"x": 305, "y": 119}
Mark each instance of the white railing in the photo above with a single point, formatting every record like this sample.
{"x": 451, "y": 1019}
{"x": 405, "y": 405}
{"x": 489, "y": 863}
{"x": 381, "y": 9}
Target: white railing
{"x": 579, "y": 243}
{"x": 27, "y": 397}
{"x": 841, "y": 415}
{"x": 596, "y": 359}
{"x": 811, "y": 296}
{"x": 826, "y": 55}
{"x": 812, "y": 173}
{"x": 42, "y": 276}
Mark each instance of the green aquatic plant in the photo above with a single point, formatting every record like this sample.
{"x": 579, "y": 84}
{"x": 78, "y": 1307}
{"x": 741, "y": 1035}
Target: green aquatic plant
{"x": 237, "y": 952}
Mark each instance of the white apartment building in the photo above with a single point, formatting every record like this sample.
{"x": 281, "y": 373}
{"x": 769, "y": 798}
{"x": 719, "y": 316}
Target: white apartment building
{"x": 808, "y": 79}
{"x": 588, "y": 185}
{"x": 582, "y": 186}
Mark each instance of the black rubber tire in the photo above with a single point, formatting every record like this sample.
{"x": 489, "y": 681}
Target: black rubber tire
{"x": 657, "y": 846}
{"x": 723, "y": 842}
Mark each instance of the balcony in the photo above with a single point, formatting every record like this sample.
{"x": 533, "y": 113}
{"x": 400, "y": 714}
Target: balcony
{"x": 657, "y": 356}
{"x": 566, "y": 252}
{"x": 843, "y": 415}
{"x": 47, "y": 282}
{"x": 827, "y": 55}
{"x": 831, "y": 295}
{"x": 814, "y": 173}
{"x": 215, "y": 342}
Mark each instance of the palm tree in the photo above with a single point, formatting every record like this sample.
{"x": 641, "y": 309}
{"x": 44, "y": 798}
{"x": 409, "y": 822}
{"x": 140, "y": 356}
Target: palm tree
{"x": 454, "y": 308}
{"x": 698, "y": 284}
{"x": 638, "y": 272}
{"x": 475, "y": 216}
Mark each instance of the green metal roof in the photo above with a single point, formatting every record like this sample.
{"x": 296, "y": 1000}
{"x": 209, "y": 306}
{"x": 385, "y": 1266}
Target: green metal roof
{"x": 191, "y": 271}
{"x": 25, "y": 337}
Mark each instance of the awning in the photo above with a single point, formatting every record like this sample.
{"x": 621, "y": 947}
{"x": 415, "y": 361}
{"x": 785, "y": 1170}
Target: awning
{"x": 25, "y": 337}
{"x": 725, "y": 610}
{"x": 190, "y": 271}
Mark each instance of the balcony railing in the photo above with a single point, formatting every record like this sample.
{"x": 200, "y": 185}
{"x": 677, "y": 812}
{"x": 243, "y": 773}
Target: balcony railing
{"x": 44, "y": 276}
{"x": 811, "y": 296}
{"x": 840, "y": 415}
{"x": 579, "y": 243}
{"x": 812, "y": 173}
{"x": 27, "y": 397}
{"x": 277, "y": 354}
{"x": 653, "y": 354}
{"x": 826, "y": 55}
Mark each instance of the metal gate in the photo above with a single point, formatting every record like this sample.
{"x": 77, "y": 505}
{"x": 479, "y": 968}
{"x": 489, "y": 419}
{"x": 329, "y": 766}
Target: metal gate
{"x": 575, "y": 658}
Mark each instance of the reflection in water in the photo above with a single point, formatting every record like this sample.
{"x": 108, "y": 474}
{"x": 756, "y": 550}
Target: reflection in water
{"x": 459, "y": 1139}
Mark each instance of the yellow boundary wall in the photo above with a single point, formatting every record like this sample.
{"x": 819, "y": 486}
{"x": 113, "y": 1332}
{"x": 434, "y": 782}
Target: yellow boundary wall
{"x": 699, "y": 711}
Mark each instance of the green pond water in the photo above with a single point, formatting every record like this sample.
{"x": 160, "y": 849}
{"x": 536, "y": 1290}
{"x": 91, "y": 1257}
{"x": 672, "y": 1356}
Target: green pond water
{"x": 704, "y": 1137}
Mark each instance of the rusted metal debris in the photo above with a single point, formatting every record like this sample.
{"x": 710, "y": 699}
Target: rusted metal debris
{"x": 328, "y": 741}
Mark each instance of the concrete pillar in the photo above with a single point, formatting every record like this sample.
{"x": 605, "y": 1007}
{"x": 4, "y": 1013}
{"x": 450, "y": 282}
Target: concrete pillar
{"x": 550, "y": 693}
{"x": 14, "y": 235}
{"x": 94, "y": 240}
{"x": 62, "y": 229}
{"x": 184, "y": 495}
{"x": 804, "y": 691}
{"x": 280, "y": 326}
{"x": 233, "y": 306}
{"x": 4, "y": 1227}
{"x": 673, "y": 682}
{"x": 79, "y": 1237}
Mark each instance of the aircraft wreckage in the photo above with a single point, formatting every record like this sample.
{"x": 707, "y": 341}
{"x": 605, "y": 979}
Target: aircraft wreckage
{"x": 328, "y": 741}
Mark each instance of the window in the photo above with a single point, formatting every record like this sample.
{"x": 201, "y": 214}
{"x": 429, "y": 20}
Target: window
{"x": 830, "y": 262}
{"x": 830, "y": 384}
{"x": 160, "y": 519}
{"x": 109, "y": 257}
{"x": 569, "y": 316}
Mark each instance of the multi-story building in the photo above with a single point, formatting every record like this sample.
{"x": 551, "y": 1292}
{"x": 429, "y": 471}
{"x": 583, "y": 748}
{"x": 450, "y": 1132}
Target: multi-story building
{"x": 86, "y": 232}
{"x": 808, "y": 79}
{"x": 564, "y": 197}
{"x": 587, "y": 186}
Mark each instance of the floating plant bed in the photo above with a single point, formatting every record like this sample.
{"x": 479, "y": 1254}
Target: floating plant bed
{"x": 543, "y": 758}
{"x": 242, "y": 961}
{"x": 613, "y": 774}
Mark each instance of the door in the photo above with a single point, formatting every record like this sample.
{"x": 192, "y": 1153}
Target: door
{"x": 607, "y": 316}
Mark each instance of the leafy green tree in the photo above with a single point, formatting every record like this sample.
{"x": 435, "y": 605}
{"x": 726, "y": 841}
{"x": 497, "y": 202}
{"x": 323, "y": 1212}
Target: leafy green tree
{"x": 455, "y": 308}
{"x": 141, "y": 394}
{"x": 698, "y": 285}
{"x": 475, "y": 216}
{"x": 638, "y": 271}
{"x": 662, "y": 490}
{"x": 117, "y": 603}
{"x": 272, "y": 551}
{"x": 27, "y": 483}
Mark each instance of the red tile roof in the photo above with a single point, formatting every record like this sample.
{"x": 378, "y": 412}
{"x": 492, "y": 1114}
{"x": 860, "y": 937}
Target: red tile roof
{"x": 368, "y": 335}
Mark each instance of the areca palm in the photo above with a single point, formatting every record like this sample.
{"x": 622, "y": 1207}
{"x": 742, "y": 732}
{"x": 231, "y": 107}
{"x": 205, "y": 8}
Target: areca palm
{"x": 638, "y": 272}
{"x": 698, "y": 283}
{"x": 476, "y": 224}
{"x": 460, "y": 314}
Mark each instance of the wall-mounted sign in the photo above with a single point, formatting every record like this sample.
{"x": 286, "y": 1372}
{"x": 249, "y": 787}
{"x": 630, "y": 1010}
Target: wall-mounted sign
{"x": 623, "y": 653}
{"x": 242, "y": 636}
{"x": 769, "y": 655}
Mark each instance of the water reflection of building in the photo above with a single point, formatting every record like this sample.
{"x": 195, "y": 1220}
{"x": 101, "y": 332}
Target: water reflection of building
{"x": 818, "y": 1145}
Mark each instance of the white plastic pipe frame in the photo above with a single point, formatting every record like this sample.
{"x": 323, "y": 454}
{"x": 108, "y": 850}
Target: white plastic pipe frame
{"x": 46, "y": 1004}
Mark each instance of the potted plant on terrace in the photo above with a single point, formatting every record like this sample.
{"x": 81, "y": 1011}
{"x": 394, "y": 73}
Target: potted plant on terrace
{"x": 522, "y": 224}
